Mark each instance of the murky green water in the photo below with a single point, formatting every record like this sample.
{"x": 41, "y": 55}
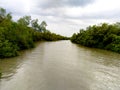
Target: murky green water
{"x": 61, "y": 66}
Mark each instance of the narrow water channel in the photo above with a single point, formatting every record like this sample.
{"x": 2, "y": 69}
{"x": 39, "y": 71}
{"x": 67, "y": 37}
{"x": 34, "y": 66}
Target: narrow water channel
{"x": 61, "y": 65}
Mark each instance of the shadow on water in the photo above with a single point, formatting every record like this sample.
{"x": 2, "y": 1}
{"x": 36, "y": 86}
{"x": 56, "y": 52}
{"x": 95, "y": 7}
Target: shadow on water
{"x": 107, "y": 58}
{"x": 10, "y": 66}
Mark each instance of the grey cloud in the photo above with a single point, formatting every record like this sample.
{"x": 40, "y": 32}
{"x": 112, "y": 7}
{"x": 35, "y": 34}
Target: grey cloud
{"x": 78, "y": 2}
{"x": 97, "y": 16}
{"x": 63, "y": 3}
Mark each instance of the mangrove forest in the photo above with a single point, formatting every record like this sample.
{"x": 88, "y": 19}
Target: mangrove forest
{"x": 22, "y": 34}
{"x": 103, "y": 36}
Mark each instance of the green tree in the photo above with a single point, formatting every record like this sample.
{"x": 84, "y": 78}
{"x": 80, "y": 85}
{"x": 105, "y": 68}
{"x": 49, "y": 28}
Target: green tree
{"x": 2, "y": 14}
{"x": 35, "y": 24}
{"x": 42, "y": 27}
{"x": 25, "y": 21}
{"x": 102, "y": 36}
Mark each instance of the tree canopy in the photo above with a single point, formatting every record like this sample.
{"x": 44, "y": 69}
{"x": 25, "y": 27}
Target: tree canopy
{"x": 16, "y": 36}
{"x": 104, "y": 36}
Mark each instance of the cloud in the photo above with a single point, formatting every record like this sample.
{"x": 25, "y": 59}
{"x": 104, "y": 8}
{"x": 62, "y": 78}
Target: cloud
{"x": 62, "y": 3}
{"x": 65, "y": 16}
{"x": 17, "y": 7}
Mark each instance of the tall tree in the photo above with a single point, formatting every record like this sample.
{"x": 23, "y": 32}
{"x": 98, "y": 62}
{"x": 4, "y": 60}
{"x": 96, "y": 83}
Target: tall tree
{"x": 43, "y": 26}
{"x": 2, "y": 14}
{"x": 35, "y": 24}
{"x": 25, "y": 21}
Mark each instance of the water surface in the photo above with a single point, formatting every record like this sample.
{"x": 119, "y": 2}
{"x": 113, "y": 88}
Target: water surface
{"x": 61, "y": 65}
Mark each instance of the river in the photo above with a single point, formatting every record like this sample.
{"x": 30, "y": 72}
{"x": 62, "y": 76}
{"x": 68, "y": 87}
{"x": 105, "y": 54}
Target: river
{"x": 61, "y": 65}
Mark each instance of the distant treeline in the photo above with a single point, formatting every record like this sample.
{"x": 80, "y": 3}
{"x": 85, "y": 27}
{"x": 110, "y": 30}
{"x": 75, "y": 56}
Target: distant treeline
{"x": 103, "y": 36}
{"x": 22, "y": 34}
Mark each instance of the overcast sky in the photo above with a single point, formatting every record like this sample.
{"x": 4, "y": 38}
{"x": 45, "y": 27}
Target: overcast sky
{"x": 65, "y": 17}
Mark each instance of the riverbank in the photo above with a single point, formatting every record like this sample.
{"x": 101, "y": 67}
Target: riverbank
{"x": 103, "y": 36}
{"x": 22, "y": 34}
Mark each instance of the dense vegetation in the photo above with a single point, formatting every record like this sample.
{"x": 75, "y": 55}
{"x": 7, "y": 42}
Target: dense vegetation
{"x": 16, "y": 36}
{"x": 104, "y": 36}
{"x": 0, "y": 74}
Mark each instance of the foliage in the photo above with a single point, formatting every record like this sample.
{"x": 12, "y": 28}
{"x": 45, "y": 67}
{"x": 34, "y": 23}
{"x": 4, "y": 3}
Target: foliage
{"x": 36, "y": 26}
{"x": 20, "y": 35}
{"x": 104, "y": 36}
{"x": 25, "y": 21}
{"x": 0, "y": 74}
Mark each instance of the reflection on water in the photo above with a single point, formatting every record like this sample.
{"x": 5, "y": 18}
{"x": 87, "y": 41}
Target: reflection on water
{"x": 61, "y": 66}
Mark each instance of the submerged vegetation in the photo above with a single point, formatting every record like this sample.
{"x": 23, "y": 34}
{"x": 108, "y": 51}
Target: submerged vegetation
{"x": 103, "y": 36}
{"x": 20, "y": 35}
